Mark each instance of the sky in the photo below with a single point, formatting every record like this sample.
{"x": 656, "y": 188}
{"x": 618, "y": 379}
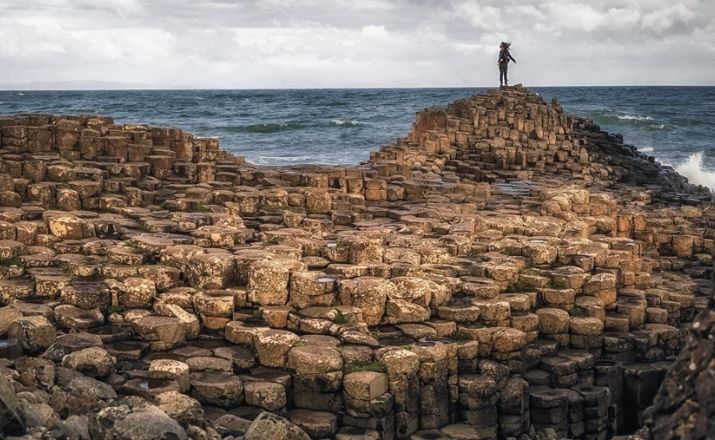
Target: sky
{"x": 343, "y": 43}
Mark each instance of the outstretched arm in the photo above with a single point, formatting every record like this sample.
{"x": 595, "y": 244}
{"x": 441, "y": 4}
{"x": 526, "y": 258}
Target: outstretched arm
{"x": 512, "y": 58}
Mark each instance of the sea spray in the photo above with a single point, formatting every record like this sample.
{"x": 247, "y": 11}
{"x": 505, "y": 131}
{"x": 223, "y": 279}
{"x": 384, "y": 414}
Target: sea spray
{"x": 634, "y": 118}
{"x": 695, "y": 171}
{"x": 341, "y": 122}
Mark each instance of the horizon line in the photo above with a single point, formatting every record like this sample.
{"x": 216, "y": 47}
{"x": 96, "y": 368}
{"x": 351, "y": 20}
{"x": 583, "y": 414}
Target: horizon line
{"x": 133, "y": 89}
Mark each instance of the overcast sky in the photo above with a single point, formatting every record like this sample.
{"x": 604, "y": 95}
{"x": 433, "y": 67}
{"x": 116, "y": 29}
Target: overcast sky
{"x": 345, "y": 43}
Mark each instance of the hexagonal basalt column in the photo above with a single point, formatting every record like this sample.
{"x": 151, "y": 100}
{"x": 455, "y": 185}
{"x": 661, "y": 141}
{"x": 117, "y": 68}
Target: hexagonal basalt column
{"x": 268, "y": 282}
{"x": 215, "y": 270}
{"x": 369, "y": 294}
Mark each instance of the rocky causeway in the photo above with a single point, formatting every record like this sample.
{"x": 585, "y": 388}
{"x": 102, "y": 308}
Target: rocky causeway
{"x": 504, "y": 271}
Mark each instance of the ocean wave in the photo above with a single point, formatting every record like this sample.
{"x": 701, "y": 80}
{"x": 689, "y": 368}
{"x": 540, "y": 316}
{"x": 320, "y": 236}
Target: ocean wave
{"x": 634, "y": 118}
{"x": 264, "y": 128}
{"x": 336, "y": 103}
{"x": 613, "y": 118}
{"x": 306, "y": 157}
{"x": 342, "y": 123}
{"x": 646, "y": 149}
{"x": 694, "y": 170}
{"x": 658, "y": 126}
{"x": 313, "y": 159}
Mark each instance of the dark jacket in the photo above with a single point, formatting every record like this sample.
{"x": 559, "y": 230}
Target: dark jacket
{"x": 505, "y": 56}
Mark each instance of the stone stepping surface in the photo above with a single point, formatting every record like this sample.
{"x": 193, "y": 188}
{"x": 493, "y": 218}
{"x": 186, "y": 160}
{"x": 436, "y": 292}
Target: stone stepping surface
{"x": 504, "y": 271}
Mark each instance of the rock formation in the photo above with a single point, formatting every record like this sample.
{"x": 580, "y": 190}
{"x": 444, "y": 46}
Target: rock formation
{"x": 505, "y": 271}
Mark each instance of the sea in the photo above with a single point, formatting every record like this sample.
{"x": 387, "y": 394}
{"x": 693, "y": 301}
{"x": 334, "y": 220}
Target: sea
{"x": 676, "y": 125}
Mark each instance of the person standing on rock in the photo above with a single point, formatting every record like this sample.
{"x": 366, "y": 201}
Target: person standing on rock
{"x": 503, "y": 62}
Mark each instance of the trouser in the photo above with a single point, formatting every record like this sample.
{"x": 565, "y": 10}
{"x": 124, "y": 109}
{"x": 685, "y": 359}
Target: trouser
{"x": 502, "y": 73}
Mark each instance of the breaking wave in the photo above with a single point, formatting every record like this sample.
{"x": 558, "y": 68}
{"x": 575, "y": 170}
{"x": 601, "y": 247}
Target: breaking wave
{"x": 634, "y": 118}
{"x": 265, "y": 128}
{"x": 695, "y": 171}
{"x": 342, "y": 123}
{"x": 645, "y": 149}
{"x": 615, "y": 119}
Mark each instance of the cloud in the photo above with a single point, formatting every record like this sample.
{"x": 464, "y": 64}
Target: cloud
{"x": 372, "y": 31}
{"x": 578, "y": 17}
{"x": 345, "y": 43}
{"x": 483, "y": 17}
{"x": 663, "y": 20}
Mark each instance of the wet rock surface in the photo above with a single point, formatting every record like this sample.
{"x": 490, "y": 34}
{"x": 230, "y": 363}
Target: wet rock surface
{"x": 505, "y": 271}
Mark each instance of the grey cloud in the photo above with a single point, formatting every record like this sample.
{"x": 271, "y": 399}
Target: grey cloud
{"x": 343, "y": 43}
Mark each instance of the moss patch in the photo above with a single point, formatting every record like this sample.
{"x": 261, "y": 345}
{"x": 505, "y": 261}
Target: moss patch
{"x": 376, "y": 366}
{"x": 115, "y": 309}
{"x": 461, "y": 335}
{"x": 14, "y": 261}
{"x": 531, "y": 271}
{"x": 518, "y": 286}
{"x": 340, "y": 318}
{"x": 558, "y": 283}
{"x": 577, "y": 311}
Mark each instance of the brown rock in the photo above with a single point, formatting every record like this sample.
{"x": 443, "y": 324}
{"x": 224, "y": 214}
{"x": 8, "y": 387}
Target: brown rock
{"x": 68, "y": 227}
{"x": 369, "y": 294}
{"x": 8, "y": 315}
{"x": 317, "y": 424}
{"x": 272, "y": 347}
{"x": 220, "y": 389}
{"x": 365, "y": 385}
{"x": 314, "y": 359}
{"x": 553, "y": 321}
{"x": 71, "y": 317}
{"x": 267, "y": 395}
{"x": 312, "y": 289}
{"x": 586, "y": 326}
{"x": 35, "y": 333}
{"x": 211, "y": 270}
{"x": 93, "y": 361}
{"x": 268, "y": 282}
{"x": 172, "y": 370}
{"x": 136, "y": 293}
{"x": 161, "y": 331}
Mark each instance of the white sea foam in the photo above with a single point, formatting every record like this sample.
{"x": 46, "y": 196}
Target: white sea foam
{"x": 634, "y": 118}
{"x": 695, "y": 172}
{"x": 341, "y": 122}
{"x": 265, "y": 160}
{"x": 646, "y": 149}
{"x": 658, "y": 126}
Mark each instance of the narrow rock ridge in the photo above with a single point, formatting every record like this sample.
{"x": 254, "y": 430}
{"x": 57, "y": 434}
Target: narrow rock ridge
{"x": 505, "y": 271}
